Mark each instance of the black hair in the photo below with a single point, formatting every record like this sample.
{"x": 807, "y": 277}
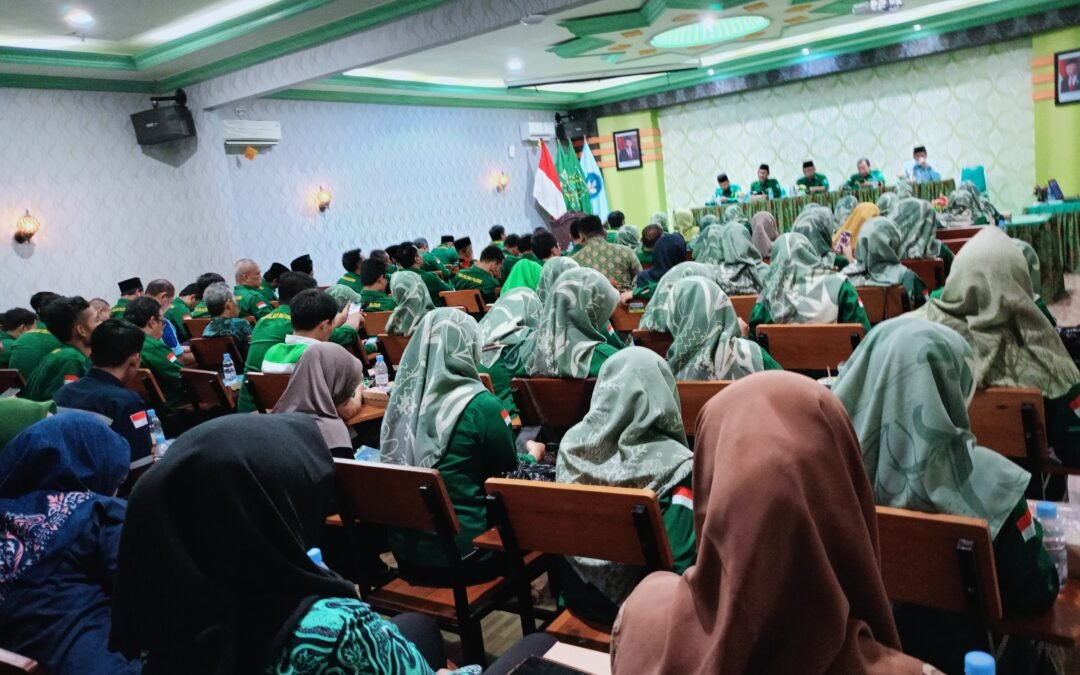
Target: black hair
{"x": 350, "y": 259}
{"x": 205, "y": 280}
{"x": 370, "y": 271}
{"x": 650, "y": 235}
{"x": 575, "y": 231}
{"x": 61, "y": 315}
{"x": 190, "y": 289}
{"x": 379, "y": 254}
{"x": 140, "y": 310}
{"x": 590, "y": 226}
{"x": 722, "y": 178}
{"x": 405, "y": 256}
{"x": 616, "y": 219}
{"x": 312, "y": 307}
{"x": 16, "y": 317}
{"x": 492, "y": 253}
{"x": 511, "y": 241}
{"x": 114, "y": 341}
{"x": 542, "y": 244}
{"x": 302, "y": 264}
{"x": 497, "y": 232}
{"x": 41, "y": 298}
{"x": 525, "y": 243}
{"x": 159, "y": 286}
{"x": 391, "y": 252}
{"x": 292, "y": 283}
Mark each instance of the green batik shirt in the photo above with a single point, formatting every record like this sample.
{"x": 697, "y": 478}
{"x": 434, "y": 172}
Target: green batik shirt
{"x": 477, "y": 278}
{"x": 874, "y": 180}
{"x": 446, "y": 255}
{"x": 434, "y": 284}
{"x": 268, "y": 291}
{"x": 376, "y": 301}
{"x": 431, "y": 263}
{"x": 617, "y": 263}
{"x": 166, "y": 368}
{"x": 352, "y": 281}
{"x": 60, "y": 366}
{"x": 200, "y": 311}
{"x": 847, "y": 301}
{"x": 819, "y": 180}
{"x": 30, "y": 349}
{"x": 251, "y": 302}
{"x": 7, "y": 341}
{"x": 117, "y": 311}
{"x": 770, "y": 188}
{"x": 175, "y": 314}
{"x": 509, "y": 260}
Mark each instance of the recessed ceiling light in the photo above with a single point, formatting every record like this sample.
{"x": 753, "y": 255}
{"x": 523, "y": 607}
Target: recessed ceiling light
{"x": 79, "y": 17}
{"x": 709, "y": 31}
{"x": 711, "y": 71}
{"x": 805, "y": 51}
{"x": 514, "y": 65}
{"x": 917, "y": 26}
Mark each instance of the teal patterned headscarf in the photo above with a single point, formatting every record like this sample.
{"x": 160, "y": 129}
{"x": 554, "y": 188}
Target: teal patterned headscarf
{"x": 876, "y": 261}
{"x": 741, "y": 267}
{"x": 573, "y": 322}
{"x": 628, "y": 236}
{"x": 507, "y": 325}
{"x": 817, "y": 225}
{"x": 844, "y": 206}
{"x": 887, "y": 202}
{"x": 799, "y": 288}
{"x": 436, "y": 381}
{"x": 907, "y": 389}
{"x": 707, "y": 339}
{"x": 553, "y": 269}
{"x": 1034, "y": 269}
{"x": 413, "y": 302}
{"x": 968, "y": 202}
{"x": 632, "y": 437}
{"x": 343, "y": 295}
{"x": 917, "y": 222}
{"x": 658, "y": 311}
{"x": 734, "y": 214}
{"x": 659, "y": 219}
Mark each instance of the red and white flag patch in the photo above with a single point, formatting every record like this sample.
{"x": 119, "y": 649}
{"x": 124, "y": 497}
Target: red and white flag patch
{"x": 138, "y": 420}
{"x": 683, "y": 496}
{"x": 1075, "y": 405}
{"x": 506, "y": 417}
{"x": 187, "y": 316}
{"x": 1026, "y": 525}
{"x": 172, "y": 357}
{"x": 68, "y": 379}
{"x": 260, "y": 305}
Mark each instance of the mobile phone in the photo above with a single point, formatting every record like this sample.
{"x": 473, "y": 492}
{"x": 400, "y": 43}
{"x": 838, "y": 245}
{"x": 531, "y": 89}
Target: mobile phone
{"x": 845, "y": 239}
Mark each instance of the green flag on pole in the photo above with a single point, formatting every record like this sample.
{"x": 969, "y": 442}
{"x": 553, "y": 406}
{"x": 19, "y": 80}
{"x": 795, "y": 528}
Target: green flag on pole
{"x": 575, "y": 191}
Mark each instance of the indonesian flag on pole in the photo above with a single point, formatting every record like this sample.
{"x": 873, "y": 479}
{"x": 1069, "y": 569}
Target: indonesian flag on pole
{"x": 547, "y": 191}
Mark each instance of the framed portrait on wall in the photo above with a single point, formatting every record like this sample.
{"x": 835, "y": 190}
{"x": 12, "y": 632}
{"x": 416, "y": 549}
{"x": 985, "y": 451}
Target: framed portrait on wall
{"x": 1067, "y": 74}
{"x": 627, "y": 149}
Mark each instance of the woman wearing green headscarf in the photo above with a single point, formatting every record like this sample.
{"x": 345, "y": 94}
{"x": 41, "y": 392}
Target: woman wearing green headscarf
{"x": 817, "y": 225}
{"x": 708, "y": 340}
{"x": 572, "y": 338}
{"x": 799, "y": 288}
{"x": 917, "y": 222}
{"x": 886, "y": 204}
{"x": 627, "y": 235}
{"x": 343, "y": 295}
{"x": 413, "y": 302}
{"x": 632, "y": 437}
{"x": 1034, "y": 271}
{"x": 659, "y": 219}
{"x": 552, "y": 270}
{"x": 969, "y": 206}
{"x": 440, "y": 416}
{"x": 988, "y": 300}
{"x": 844, "y": 206}
{"x": 731, "y": 249}
{"x": 734, "y": 214}
{"x": 877, "y": 263}
{"x": 685, "y": 225}
{"x": 503, "y": 332}
{"x": 659, "y": 310}
{"x": 907, "y": 389}
{"x": 525, "y": 274}
{"x": 18, "y": 413}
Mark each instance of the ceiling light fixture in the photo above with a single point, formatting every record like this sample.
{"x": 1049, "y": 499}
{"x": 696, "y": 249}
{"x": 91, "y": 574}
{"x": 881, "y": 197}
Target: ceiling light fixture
{"x": 806, "y": 51}
{"x": 79, "y": 17}
{"x": 709, "y": 31}
{"x": 917, "y": 26}
{"x": 514, "y": 65}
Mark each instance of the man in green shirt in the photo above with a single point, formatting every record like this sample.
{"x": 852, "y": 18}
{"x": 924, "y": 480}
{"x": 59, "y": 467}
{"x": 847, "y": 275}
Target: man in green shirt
{"x": 351, "y": 261}
{"x": 525, "y": 246}
{"x": 726, "y": 192}
{"x": 865, "y": 177}
{"x": 303, "y": 264}
{"x": 544, "y": 246}
{"x": 430, "y": 262}
{"x": 497, "y": 232}
{"x": 270, "y": 281}
{"x": 71, "y": 321}
{"x": 13, "y": 323}
{"x": 408, "y": 260}
{"x": 201, "y": 284}
{"x": 765, "y": 187}
{"x": 484, "y": 275}
{"x": 180, "y": 309}
{"x": 463, "y": 247}
{"x": 511, "y": 253}
{"x": 34, "y": 344}
{"x": 129, "y": 290}
{"x": 615, "y": 220}
{"x": 445, "y": 252}
{"x": 812, "y": 180}
{"x": 313, "y": 317}
{"x": 373, "y": 296}
{"x": 248, "y": 289}
{"x": 163, "y": 362}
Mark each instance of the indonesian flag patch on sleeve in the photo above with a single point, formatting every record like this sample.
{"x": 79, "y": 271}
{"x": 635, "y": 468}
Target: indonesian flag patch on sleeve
{"x": 1075, "y": 405}
{"x": 138, "y": 420}
{"x": 683, "y": 496}
{"x": 172, "y": 357}
{"x": 506, "y": 417}
{"x": 1026, "y": 525}
{"x": 68, "y": 379}
{"x": 260, "y": 305}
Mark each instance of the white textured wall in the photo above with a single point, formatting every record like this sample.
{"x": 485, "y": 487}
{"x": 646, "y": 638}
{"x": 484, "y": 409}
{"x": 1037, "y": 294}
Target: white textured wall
{"x": 968, "y": 107}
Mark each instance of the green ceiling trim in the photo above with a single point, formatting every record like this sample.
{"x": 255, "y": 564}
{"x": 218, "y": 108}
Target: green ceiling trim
{"x": 18, "y": 81}
{"x": 451, "y": 89}
{"x": 575, "y": 47}
{"x": 228, "y": 30}
{"x": 398, "y": 99}
{"x": 54, "y": 58}
{"x": 643, "y": 17}
{"x": 840, "y": 7}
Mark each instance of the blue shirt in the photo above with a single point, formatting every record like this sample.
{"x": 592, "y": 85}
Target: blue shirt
{"x": 122, "y": 409}
{"x": 924, "y": 174}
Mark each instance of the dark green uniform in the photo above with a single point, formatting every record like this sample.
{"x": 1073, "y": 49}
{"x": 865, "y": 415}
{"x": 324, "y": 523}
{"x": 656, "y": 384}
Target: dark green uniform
{"x": 434, "y": 284}
{"x": 447, "y": 255}
{"x": 478, "y": 278}
{"x": 117, "y": 311}
{"x": 509, "y": 260}
{"x": 770, "y": 188}
{"x": 268, "y": 291}
{"x": 251, "y": 302}
{"x": 1063, "y": 425}
{"x": 7, "y": 341}
{"x": 874, "y": 180}
{"x": 531, "y": 256}
{"x": 601, "y": 353}
{"x": 644, "y": 256}
{"x": 850, "y": 310}
{"x": 818, "y": 181}
{"x": 352, "y": 281}
{"x": 377, "y": 301}
{"x": 731, "y": 194}
{"x": 175, "y": 314}
{"x": 166, "y": 368}
{"x": 60, "y": 366}
{"x": 29, "y": 350}
{"x": 431, "y": 263}
{"x": 200, "y": 311}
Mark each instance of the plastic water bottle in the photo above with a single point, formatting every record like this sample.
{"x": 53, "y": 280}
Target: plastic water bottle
{"x": 316, "y": 557}
{"x": 382, "y": 374}
{"x": 157, "y": 433}
{"x": 228, "y": 370}
{"x": 979, "y": 663}
{"x": 1054, "y": 539}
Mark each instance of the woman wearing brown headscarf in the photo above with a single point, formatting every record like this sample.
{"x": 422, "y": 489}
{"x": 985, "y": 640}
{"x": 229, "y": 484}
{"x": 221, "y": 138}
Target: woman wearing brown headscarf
{"x": 787, "y": 577}
{"x": 327, "y": 385}
{"x": 765, "y": 232}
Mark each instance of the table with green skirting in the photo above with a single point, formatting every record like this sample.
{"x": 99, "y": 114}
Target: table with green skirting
{"x": 786, "y": 209}
{"x": 1067, "y": 216}
{"x": 1043, "y": 232}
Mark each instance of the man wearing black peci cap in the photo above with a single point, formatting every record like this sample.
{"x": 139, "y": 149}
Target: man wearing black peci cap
{"x": 270, "y": 280}
{"x": 765, "y": 187}
{"x": 812, "y": 180}
{"x": 303, "y": 264}
{"x": 445, "y": 252}
{"x": 920, "y": 170}
{"x": 725, "y": 192}
{"x": 129, "y": 290}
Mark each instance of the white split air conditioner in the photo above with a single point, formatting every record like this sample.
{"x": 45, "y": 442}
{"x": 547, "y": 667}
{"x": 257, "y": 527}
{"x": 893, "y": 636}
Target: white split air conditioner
{"x": 251, "y": 132}
{"x": 537, "y": 131}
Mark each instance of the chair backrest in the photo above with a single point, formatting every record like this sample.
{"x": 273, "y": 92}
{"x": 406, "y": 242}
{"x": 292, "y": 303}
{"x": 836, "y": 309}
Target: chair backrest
{"x": 958, "y": 232}
{"x": 195, "y": 327}
{"x": 623, "y": 525}
{"x": 975, "y": 174}
{"x": 209, "y": 352}
{"x": 810, "y": 346}
{"x": 1011, "y": 421}
{"x": 654, "y": 340}
{"x": 16, "y": 664}
{"x": 392, "y": 495}
{"x": 883, "y": 303}
{"x": 553, "y": 403}
{"x": 146, "y": 385}
{"x": 206, "y": 390}
{"x": 393, "y": 347}
{"x": 627, "y": 318}
{"x": 744, "y": 305}
{"x": 375, "y": 322}
{"x": 267, "y": 389}
{"x": 930, "y": 270}
{"x": 469, "y": 298}
{"x": 939, "y": 561}
{"x": 955, "y": 245}
{"x": 693, "y": 395}
{"x": 11, "y": 379}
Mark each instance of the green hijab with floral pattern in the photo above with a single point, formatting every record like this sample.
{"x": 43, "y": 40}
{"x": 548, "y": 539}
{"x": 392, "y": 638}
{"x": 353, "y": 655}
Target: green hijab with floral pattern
{"x": 988, "y": 300}
{"x": 876, "y": 262}
{"x": 413, "y": 302}
{"x": 799, "y": 288}
{"x": 507, "y": 325}
{"x": 907, "y": 389}
{"x": 1034, "y": 268}
{"x": 343, "y": 295}
{"x": 707, "y": 339}
{"x": 844, "y": 206}
{"x": 734, "y": 214}
{"x": 886, "y": 203}
{"x": 553, "y": 269}
{"x": 658, "y": 311}
{"x": 741, "y": 267}
{"x": 817, "y": 225}
{"x": 628, "y": 235}
{"x": 436, "y": 381}
{"x": 524, "y": 274}
{"x": 573, "y": 322}
{"x": 659, "y": 219}
{"x": 917, "y": 222}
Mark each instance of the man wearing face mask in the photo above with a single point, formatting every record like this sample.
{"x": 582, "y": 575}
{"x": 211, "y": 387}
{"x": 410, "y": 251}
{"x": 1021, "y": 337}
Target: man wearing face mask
{"x": 920, "y": 170}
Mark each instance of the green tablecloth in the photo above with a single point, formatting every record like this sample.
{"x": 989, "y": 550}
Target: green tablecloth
{"x": 787, "y": 209}
{"x": 1067, "y": 217}
{"x": 1044, "y": 234}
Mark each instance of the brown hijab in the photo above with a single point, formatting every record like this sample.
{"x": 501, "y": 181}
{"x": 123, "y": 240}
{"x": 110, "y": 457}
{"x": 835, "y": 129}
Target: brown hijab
{"x": 326, "y": 377}
{"x": 787, "y": 577}
{"x": 765, "y": 232}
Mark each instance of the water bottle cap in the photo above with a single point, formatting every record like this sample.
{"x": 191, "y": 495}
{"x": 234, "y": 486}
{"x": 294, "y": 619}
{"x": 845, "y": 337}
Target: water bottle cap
{"x": 150, "y": 411}
{"x": 226, "y": 357}
{"x": 378, "y": 358}
{"x": 1046, "y": 510}
{"x": 978, "y": 663}
{"x": 316, "y": 555}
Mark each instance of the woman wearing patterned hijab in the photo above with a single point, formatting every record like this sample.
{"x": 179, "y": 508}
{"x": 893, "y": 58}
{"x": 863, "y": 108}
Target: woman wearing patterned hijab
{"x": 632, "y": 437}
{"x": 817, "y": 225}
{"x": 504, "y": 332}
{"x": 708, "y": 340}
{"x": 730, "y": 248}
{"x": 877, "y": 264}
{"x": 441, "y": 416}
{"x": 572, "y": 338}
{"x": 799, "y": 288}
{"x": 1035, "y": 272}
{"x": 844, "y": 206}
{"x": 413, "y": 302}
{"x": 917, "y": 222}
{"x": 627, "y": 235}
{"x": 886, "y": 204}
{"x": 658, "y": 311}
{"x": 553, "y": 269}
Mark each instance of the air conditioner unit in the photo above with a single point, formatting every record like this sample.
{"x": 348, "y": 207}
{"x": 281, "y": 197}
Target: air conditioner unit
{"x": 537, "y": 131}
{"x": 251, "y": 132}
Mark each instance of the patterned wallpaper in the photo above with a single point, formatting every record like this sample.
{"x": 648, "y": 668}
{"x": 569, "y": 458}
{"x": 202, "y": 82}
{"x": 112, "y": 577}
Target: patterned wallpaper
{"x": 968, "y": 107}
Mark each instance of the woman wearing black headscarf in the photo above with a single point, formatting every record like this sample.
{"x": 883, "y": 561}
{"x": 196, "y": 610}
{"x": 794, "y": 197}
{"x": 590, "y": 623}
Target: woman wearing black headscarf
{"x": 669, "y": 251}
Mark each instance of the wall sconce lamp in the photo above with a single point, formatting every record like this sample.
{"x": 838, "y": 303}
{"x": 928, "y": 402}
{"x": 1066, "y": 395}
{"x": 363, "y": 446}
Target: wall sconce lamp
{"x": 26, "y": 227}
{"x": 323, "y": 199}
{"x": 502, "y": 182}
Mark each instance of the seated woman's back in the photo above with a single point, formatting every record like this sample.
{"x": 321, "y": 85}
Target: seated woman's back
{"x": 878, "y": 264}
{"x": 504, "y": 331}
{"x": 61, "y": 528}
{"x": 412, "y": 302}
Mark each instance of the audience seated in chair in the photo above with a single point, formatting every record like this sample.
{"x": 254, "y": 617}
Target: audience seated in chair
{"x": 327, "y": 385}
{"x": 225, "y": 313}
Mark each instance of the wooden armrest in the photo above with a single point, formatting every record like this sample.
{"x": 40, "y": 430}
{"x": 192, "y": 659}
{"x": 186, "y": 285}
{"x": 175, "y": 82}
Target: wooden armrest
{"x": 489, "y": 541}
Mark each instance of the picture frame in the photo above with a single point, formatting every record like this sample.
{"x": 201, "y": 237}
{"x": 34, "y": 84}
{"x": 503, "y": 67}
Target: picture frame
{"x": 627, "y": 149}
{"x": 1067, "y": 77}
